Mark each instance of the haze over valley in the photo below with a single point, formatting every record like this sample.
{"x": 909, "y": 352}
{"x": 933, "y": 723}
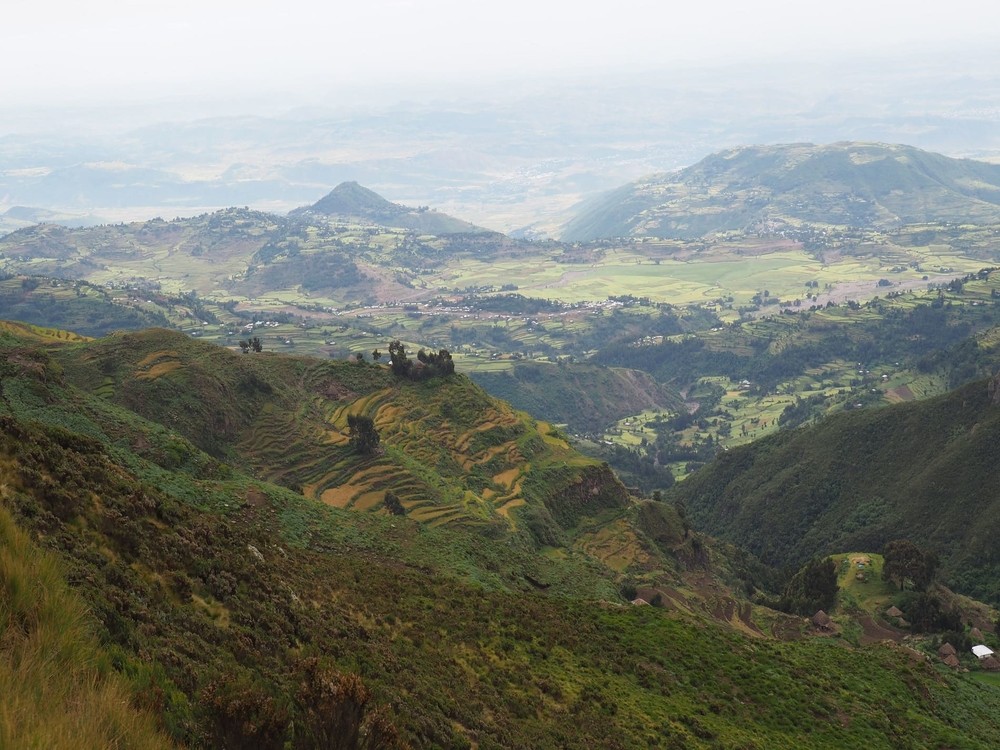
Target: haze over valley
{"x": 424, "y": 376}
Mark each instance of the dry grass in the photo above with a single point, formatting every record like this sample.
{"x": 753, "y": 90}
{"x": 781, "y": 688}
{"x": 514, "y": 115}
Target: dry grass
{"x": 158, "y": 370}
{"x": 58, "y": 688}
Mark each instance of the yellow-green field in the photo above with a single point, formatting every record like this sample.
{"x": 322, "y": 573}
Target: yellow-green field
{"x": 859, "y": 578}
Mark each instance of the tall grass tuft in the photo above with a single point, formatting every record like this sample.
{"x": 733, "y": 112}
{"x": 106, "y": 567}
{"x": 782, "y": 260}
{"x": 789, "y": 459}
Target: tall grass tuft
{"x": 58, "y": 689}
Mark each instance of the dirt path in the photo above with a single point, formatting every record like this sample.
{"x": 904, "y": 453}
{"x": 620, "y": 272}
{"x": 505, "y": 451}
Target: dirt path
{"x": 875, "y": 633}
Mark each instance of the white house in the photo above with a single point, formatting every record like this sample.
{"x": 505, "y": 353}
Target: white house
{"x": 982, "y": 651}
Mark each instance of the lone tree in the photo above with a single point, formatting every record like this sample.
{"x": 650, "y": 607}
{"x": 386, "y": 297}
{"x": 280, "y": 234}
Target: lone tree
{"x": 393, "y": 505}
{"x": 904, "y": 561}
{"x": 364, "y": 436}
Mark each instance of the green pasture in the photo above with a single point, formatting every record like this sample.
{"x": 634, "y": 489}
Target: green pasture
{"x": 986, "y": 678}
{"x": 783, "y": 274}
{"x": 477, "y": 363}
{"x": 630, "y": 431}
{"x": 860, "y": 584}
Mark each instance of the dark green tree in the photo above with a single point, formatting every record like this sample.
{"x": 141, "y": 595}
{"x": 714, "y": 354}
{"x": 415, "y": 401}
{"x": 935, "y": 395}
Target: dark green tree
{"x": 905, "y": 561}
{"x": 252, "y": 345}
{"x": 364, "y": 436}
{"x": 813, "y": 588}
{"x": 401, "y": 364}
{"x": 435, "y": 364}
{"x": 393, "y": 505}
{"x": 927, "y": 614}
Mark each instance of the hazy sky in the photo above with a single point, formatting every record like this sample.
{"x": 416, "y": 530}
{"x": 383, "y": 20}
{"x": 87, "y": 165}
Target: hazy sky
{"x": 123, "y": 49}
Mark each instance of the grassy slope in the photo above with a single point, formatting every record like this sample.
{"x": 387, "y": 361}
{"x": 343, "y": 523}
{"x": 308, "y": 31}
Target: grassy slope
{"x": 457, "y": 662}
{"x": 59, "y": 689}
{"x": 450, "y": 452}
{"x": 70, "y": 306}
{"x": 213, "y": 590}
{"x": 584, "y": 397}
{"x": 923, "y": 470}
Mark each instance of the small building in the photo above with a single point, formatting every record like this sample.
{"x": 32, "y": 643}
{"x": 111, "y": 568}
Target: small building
{"x": 951, "y": 661}
{"x": 990, "y": 664}
{"x": 976, "y": 634}
{"x": 894, "y": 611}
{"x": 822, "y": 620}
{"x": 982, "y": 652}
{"x": 638, "y": 602}
{"x": 946, "y": 650}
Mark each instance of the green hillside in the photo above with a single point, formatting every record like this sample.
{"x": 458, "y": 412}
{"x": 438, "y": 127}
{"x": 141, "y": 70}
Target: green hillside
{"x": 70, "y": 306}
{"x": 924, "y": 471}
{"x": 448, "y": 451}
{"x": 584, "y": 397}
{"x": 778, "y": 189}
{"x": 245, "y": 614}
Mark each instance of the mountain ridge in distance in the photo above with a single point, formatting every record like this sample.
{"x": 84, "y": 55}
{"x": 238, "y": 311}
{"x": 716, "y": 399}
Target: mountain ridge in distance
{"x": 767, "y": 188}
{"x": 350, "y": 200}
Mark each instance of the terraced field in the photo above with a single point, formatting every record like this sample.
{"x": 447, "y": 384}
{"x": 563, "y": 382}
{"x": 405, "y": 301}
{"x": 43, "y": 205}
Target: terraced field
{"x": 449, "y": 453}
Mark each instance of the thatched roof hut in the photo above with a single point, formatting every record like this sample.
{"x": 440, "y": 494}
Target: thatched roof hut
{"x": 638, "y": 602}
{"x": 821, "y": 620}
{"x": 946, "y": 650}
{"x": 894, "y": 611}
{"x": 976, "y": 634}
{"x": 990, "y": 664}
{"x": 952, "y": 661}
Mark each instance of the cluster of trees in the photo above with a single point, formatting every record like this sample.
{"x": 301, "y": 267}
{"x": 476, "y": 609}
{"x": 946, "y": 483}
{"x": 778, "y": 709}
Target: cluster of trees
{"x": 428, "y": 364}
{"x": 927, "y": 614}
{"x": 515, "y": 304}
{"x": 813, "y": 588}
{"x": 252, "y": 345}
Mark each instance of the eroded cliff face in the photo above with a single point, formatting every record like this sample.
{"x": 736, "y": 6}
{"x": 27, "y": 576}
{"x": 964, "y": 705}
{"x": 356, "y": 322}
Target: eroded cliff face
{"x": 586, "y": 493}
{"x": 994, "y": 389}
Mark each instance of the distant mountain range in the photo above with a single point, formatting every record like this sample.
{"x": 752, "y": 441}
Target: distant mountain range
{"x": 19, "y": 217}
{"x": 349, "y": 200}
{"x": 766, "y": 188}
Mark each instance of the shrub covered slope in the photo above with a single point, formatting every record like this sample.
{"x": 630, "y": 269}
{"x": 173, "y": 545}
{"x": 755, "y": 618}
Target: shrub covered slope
{"x": 925, "y": 471}
{"x": 168, "y": 478}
